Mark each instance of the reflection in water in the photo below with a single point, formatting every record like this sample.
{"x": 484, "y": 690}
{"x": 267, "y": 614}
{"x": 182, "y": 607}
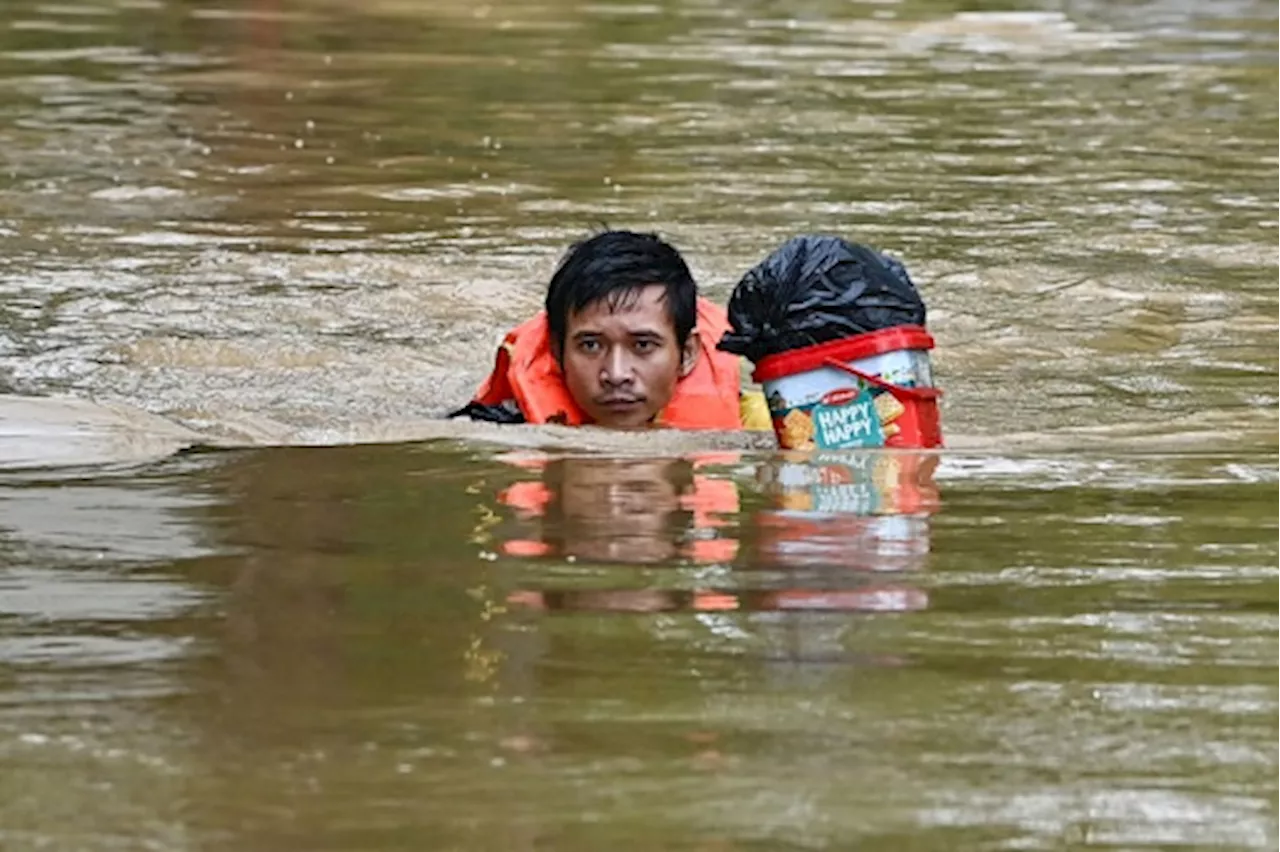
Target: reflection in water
{"x": 624, "y": 510}
{"x": 872, "y": 515}
{"x": 866, "y": 511}
{"x": 321, "y": 659}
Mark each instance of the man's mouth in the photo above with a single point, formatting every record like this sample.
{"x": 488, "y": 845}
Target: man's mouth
{"x": 620, "y": 402}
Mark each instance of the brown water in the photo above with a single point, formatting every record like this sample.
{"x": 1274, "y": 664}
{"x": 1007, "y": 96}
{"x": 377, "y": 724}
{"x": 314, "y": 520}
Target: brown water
{"x": 308, "y": 222}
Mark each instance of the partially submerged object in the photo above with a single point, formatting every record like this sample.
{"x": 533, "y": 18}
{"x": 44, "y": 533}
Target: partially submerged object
{"x": 51, "y": 432}
{"x": 837, "y": 334}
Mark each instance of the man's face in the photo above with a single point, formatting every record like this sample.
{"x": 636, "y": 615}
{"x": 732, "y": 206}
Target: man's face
{"x": 622, "y": 362}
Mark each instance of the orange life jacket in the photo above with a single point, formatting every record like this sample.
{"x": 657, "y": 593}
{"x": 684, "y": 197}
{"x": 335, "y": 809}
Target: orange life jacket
{"x": 527, "y": 371}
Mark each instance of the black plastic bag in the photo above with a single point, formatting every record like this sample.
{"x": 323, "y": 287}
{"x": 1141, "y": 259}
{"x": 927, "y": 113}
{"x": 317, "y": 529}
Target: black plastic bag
{"x": 814, "y": 289}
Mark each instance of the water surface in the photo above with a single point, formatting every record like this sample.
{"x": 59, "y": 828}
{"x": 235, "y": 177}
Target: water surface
{"x": 386, "y": 647}
{"x": 308, "y": 223}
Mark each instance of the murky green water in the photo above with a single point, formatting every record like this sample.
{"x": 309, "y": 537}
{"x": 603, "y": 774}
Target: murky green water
{"x": 406, "y": 648}
{"x": 308, "y": 222}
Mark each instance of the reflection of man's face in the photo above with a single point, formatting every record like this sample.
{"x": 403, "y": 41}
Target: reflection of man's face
{"x": 619, "y": 510}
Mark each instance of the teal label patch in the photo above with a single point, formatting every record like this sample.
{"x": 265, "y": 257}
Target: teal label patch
{"x": 847, "y": 420}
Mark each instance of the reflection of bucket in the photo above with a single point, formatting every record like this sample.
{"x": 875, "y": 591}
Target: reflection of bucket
{"x": 866, "y": 511}
{"x": 855, "y": 543}
{"x": 870, "y": 390}
{"x": 877, "y": 483}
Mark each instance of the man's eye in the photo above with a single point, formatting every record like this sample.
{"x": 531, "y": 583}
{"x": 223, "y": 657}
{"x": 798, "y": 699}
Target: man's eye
{"x": 646, "y": 345}
{"x": 589, "y": 346}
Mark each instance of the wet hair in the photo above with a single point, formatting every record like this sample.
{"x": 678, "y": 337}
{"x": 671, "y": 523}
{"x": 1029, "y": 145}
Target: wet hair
{"x": 612, "y": 266}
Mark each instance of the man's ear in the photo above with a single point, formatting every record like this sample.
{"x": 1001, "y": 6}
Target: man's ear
{"x": 689, "y": 355}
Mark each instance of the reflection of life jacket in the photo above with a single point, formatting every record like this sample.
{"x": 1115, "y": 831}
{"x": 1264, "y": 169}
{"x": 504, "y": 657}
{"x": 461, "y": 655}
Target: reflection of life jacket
{"x": 528, "y": 371}
{"x": 708, "y": 501}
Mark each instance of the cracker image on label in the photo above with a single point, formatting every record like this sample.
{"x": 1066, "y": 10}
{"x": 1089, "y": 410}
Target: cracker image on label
{"x": 889, "y": 408}
{"x": 797, "y": 430}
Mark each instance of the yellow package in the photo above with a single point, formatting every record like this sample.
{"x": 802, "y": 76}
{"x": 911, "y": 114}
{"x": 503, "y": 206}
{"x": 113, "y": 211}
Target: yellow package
{"x": 753, "y": 411}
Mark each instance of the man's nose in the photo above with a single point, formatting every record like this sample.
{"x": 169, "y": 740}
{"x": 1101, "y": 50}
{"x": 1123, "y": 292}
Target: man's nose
{"x": 617, "y": 367}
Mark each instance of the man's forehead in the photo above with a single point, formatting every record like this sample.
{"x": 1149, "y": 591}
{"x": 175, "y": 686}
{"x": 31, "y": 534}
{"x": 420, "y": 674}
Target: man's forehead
{"x": 635, "y": 308}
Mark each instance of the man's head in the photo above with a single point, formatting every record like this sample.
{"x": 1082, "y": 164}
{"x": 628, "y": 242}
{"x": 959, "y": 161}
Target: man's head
{"x": 622, "y": 309}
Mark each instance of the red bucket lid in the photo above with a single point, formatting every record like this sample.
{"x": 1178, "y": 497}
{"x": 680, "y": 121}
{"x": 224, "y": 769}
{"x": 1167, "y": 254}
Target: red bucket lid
{"x": 859, "y": 346}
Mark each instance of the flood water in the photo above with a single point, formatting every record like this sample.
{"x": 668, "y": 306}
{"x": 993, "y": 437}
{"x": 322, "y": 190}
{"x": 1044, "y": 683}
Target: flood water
{"x": 295, "y": 228}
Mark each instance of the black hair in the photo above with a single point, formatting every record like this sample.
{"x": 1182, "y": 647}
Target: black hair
{"x": 613, "y": 266}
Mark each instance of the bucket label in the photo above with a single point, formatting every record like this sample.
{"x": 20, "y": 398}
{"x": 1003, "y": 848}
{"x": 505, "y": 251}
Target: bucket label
{"x": 845, "y": 420}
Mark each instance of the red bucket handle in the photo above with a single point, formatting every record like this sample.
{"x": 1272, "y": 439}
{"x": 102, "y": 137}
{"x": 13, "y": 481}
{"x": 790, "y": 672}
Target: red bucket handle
{"x": 899, "y": 392}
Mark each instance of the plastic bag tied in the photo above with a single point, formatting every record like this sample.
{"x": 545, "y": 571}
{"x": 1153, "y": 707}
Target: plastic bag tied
{"x": 814, "y": 289}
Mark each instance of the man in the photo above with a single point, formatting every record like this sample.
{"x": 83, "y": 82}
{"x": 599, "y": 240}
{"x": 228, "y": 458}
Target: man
{"x": 624, "y": 342}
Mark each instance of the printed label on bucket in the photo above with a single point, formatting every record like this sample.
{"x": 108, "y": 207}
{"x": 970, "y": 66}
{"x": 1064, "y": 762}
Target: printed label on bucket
{"x": 844, "y": 419}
